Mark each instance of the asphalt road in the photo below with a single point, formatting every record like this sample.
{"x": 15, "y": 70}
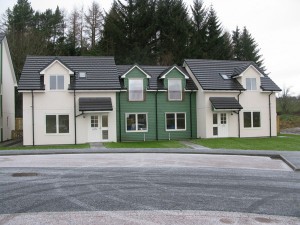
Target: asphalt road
{"x": 128, "y": 188}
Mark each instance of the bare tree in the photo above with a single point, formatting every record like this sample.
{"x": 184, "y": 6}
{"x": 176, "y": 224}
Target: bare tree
{"x": 285, "y": 100}
{"x": 94, "y": 22}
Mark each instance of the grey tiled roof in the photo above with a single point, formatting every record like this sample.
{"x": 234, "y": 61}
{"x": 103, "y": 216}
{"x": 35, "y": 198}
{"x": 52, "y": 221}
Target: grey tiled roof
{"x": 155, "y": 72}
{"x": 208, "y": 73}
{"x": 95, "y": 104}
{"x": 101, "y": 72}
{"x": 2, "y": 36}
{"x": 225, "y": 103}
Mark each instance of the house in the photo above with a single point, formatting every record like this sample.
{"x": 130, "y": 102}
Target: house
{"x": 156, "y": 103}
{"x": 8, "y": 83}
{"x": 69, "y": 100}
{"x": 234, "y": 99}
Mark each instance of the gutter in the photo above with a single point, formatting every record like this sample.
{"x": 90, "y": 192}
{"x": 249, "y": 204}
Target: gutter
{"x": 270, "y": 114}
{"x": 191, "y": 115}
{"x": 156, "y": 114}
{"x": 239, "y": 120}
{"x": 120, "y": 130}
{"x": 32, "y": 108}
{"x": 75, "y": 121}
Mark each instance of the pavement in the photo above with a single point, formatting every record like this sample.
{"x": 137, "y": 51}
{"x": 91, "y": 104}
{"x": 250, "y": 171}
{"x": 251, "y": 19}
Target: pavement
{"x": 155, "y": 217}
{"x": 291, "y": 158}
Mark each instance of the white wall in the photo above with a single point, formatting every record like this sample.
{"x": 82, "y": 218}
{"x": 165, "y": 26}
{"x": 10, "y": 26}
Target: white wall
{"x": 250, "y": 101}
{"x": 8, "y": 92}
{"x": 60, "y": 102}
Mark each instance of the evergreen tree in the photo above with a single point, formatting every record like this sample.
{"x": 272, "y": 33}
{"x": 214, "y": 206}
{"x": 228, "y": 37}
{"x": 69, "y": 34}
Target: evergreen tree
{"x": 173, "y": 31}
{"x": 198, "y": 30}
{"x": 129, "y": 32}
{"x": 218, "y": 43}
{"x": 246, "y": 48}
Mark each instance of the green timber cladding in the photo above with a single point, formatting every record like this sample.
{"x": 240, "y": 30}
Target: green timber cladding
{"x": 155, "y": 104}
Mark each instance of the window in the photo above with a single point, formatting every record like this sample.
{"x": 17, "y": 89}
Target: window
{"x": 136, "y": 122}
{"x": 175, "y": 89}
{"x": 57, "y": 124}
{"x": 56, "y": 82}
{"x": 175, "y": 121}
{"x": 223, "y": 118}
{"x": 251, "y": 83}
{"x": 251, "y": 119}
{"x": 136, "y": 89}
{"x": 215, "y": 118}
{"x": 94, "y": 121}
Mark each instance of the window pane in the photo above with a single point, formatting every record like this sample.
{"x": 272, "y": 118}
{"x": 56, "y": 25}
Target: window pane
{"x": 60, "y": 82}
{"x": 256, "y": 119}
{"x": 131, "y": 123}
{"x": 223, "y": 118}
{"x": 52, "y": 82}
{"x": 175, "y": 90}
{"x": 215, "y": 118}
{"x": 253, "y": 83}
{"x": 142, "y": 122}
{"x": 180, "y": 121}
{"x": 50, "y": 124}
{"x": 105, "y": 121}
{"x": 247, "y": 119}
{"x": 94, "y": 121}
{"x": 105, "y": 134}
{"x": 63, "y": 123}
{"x": 215, "y": 131}
{"x": 170, "y": 121}
{"x": 136, "y": 90}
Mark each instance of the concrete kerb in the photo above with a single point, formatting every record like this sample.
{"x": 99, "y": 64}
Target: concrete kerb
{"x": 266, "y": 153}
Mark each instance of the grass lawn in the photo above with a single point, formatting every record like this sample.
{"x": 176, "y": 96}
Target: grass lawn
{"x": 282, "y": 142}
{"x": 79, "y": 146}
{"x": 145, "y": 144}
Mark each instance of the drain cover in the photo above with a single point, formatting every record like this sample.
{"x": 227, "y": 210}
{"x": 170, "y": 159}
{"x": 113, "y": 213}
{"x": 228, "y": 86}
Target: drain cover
{"x": 24, "y": 174}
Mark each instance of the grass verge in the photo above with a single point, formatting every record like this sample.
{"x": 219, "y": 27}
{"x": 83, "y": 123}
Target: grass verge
{"x": 145, "y": 144}
{"x": 282, "y": 142}
{"x": 79, "y": 146}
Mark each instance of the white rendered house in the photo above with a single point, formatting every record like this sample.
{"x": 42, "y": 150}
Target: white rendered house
{"x": 69, "y": 100}
{"x": 8, "y": 83}
{"x": 234, "y": 99}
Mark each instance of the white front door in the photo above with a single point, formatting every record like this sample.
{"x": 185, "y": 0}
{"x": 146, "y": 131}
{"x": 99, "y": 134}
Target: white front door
{"x": 98, "y": 128}
{"x": 220, "y": 125}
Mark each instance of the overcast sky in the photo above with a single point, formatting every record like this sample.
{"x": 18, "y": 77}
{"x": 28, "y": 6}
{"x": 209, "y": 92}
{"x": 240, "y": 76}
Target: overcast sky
{"x": 273, "y": 23}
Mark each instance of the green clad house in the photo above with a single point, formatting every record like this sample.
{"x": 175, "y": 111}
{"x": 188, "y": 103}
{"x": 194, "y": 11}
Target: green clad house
{"x": 155, "y": 103}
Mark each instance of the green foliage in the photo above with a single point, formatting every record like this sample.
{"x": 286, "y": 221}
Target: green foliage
{"x": 283, "y": 142}
{"x": 245, "y": 47}
{"x": 289, "y": 121}
{"x": 145, "y": 144}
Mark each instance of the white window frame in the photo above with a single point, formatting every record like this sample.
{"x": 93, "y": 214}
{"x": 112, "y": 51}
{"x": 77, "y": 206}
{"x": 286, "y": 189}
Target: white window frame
{"x": 174, "y": 79}
{"x": 57, "y": 124}
{"x": 175, "y": 129}
{"x": 252, "y": 82}
{"x": 136, "y": 121}
{"x": 252, "y": 127}
{"x": 56, "y": 83}
{"x": 142, "y": 97}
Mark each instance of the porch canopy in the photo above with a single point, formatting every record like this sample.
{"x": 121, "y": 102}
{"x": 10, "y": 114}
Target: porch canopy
{"x": 225, "y": 103}
{"x": 95, "y": 104}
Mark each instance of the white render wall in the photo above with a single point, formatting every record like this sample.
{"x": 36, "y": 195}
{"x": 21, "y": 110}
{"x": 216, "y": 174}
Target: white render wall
{"x": 250, "y": 100}
{"x": 60, "y": 102}
{"x": 8, "y": 93}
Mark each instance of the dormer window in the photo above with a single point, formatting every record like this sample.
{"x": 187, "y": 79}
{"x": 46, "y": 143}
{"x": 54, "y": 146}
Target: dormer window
{"x": 82, "y": 75}
{"x": 174, "y": 89}
{"x": 56, "y": 82}
{"x": 136, "y": 89}
{"x": 251, "y": 84}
